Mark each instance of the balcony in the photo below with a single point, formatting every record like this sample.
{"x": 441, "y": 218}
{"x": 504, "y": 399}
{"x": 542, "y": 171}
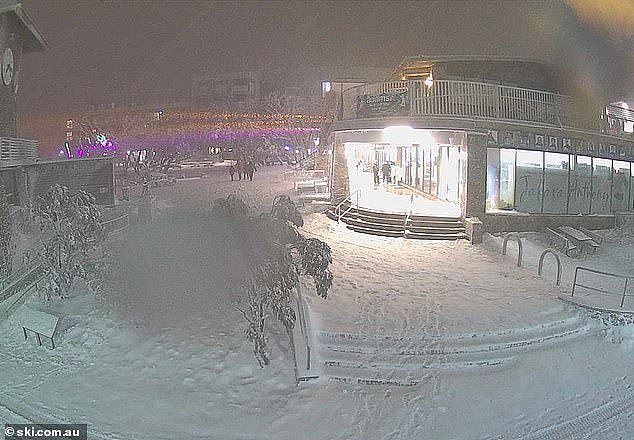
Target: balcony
{"x": 478, "y": 100}
{"x": 16, "y": 151}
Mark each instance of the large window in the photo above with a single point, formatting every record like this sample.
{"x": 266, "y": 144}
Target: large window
{"x": 556, "y": 170}
{"x": 528, "y": 187}
{"x": 500, "y": 179}
{"x": 601, "y": 185}
{"x": 556, "y": 183}
{"x": 631, "y": 207}
{"x": 620, "y": 185}
{"x": 580, "y": 186}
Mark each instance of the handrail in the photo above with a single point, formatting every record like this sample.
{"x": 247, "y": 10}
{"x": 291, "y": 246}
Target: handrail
{"x": 409, "y": 212}
{"x": 516, "y": 237}
{"x": 541, "y": 263}
{"x": 585, "y": 269}
{"x": 338, "y": 212}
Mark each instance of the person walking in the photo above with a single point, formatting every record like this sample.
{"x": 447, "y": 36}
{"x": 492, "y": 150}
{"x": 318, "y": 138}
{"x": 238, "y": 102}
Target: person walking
{"x": 240, "y": 169}
{"x": 232, "y": 171}
{"x": 387, "y": 172}
{"x": 250, "y": 168}
{"x": 375, "y": 171}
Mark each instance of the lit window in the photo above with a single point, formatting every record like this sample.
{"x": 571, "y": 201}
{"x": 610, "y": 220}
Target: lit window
{"x": 326, "y": 86}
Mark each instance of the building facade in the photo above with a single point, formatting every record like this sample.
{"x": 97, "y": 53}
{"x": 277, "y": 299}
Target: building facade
{"x": 22, "y": 174}
{"x": 486, "y": 137}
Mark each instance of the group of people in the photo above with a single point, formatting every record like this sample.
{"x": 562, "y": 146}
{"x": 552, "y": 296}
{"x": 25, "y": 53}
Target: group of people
{"x": 243, "y": 168}
{"x": 386, "y": 170}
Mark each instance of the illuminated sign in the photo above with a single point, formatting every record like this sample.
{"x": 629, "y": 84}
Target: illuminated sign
{"x": 394, "y": 103}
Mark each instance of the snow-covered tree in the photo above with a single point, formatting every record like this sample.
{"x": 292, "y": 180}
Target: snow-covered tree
{"x": 71, "y": 229}
{"x": 6, "y": 236}
{"x": 286, "y": 255}
{"x": 295, "y": 112}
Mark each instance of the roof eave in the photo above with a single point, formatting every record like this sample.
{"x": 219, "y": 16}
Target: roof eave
{"x": 35, "y": 41}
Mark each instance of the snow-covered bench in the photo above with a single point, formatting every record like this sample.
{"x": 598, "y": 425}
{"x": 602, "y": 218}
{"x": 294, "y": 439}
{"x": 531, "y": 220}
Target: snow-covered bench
{"x": 316, "y": 185}
{"x": 39, "y": 323}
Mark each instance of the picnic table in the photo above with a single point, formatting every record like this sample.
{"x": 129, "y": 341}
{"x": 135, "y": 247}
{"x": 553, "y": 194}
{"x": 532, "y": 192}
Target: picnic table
{"x": 584, "y": 239}
{"x": 38, "y": 323}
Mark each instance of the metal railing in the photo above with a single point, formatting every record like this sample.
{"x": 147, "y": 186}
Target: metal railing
{"x": 470, "y": 99}
{"x": 116, "y": 224}
{"x": 17, "y": 150}
{"x": 623, "y": 278}
{"x": 541, "y": 263}
{"x": 505, "y": 243}
{"x": 408, "y": 213}
{"x": 338, "y": 208}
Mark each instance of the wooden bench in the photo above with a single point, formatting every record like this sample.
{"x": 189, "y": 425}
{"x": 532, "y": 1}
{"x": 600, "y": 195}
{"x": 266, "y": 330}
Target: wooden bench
{"x": 39, "y": 323}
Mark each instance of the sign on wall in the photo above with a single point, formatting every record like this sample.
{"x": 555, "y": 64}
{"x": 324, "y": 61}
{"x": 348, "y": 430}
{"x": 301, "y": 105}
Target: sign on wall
{"x": 556, "y": 144}
{"x": 392, "y": 103}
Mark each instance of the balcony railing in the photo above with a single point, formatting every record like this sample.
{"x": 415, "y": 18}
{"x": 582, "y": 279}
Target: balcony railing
{"x": 469, "y": 100}
{"x": 17, "y": 151}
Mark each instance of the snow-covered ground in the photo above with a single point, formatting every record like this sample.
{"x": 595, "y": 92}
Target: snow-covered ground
{"x": 161, "y": 354}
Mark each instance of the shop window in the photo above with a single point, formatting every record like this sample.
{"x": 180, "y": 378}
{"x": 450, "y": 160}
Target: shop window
{"x": 620, "y": 185}
{"x": 631, "y": 206}
{"x": 580, "y": 185}
{"x": 556, "y": 169}
{"x": 528, "y": 186}
{"x": 500, "y": 179}
{"x": 601, "y": 185}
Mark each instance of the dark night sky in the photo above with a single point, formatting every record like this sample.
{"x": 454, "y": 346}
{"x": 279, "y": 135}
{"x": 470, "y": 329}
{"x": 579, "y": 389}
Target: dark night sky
{"x": 102, "y": 50}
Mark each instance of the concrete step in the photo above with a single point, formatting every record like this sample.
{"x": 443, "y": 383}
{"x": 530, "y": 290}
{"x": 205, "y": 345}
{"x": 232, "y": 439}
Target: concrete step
{"x": 374, "y": 225}
{"x": 376, "y": 231}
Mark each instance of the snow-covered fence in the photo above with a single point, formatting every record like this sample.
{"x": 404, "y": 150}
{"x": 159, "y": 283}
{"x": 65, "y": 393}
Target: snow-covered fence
{"x": 604, "y": 283}
{"x": 517, "y": 238}
{"x": 116, "y": 224}
{"x": 541, "y": 263}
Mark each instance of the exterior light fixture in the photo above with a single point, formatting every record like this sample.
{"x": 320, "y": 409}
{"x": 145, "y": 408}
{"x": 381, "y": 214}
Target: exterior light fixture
{"x": 429, "y": 81}
{"x": 399, "y": 135}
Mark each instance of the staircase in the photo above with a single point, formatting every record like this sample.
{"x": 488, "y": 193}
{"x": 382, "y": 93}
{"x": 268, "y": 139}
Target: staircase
{"x": 399, "y": 224}
{"x": 407, "y": 359}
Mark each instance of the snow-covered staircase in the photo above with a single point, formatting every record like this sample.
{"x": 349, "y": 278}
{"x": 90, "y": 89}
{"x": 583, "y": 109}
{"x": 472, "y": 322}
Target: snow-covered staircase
{"x": 400, "y": 225}
{"x": 407, "y": 359}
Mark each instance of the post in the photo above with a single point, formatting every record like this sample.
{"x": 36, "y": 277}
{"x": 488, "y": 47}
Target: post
{"x": 574, "y": 282}
{"x": 541, "y": 263}
{"x": 519, "y": 247}
{"x": 624, "y": 290}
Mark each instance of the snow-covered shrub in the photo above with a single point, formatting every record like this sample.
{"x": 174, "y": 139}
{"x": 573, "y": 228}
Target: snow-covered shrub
{"x": 71, "y": 234}
{"x": 231, "y": 207}
{"x": 316, "y": 257}
{"x": 284, "y": 255}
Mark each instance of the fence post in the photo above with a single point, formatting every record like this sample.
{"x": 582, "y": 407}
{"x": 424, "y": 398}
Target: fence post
{"x": 574, "y": 282}
{"x": 624, "y": 291}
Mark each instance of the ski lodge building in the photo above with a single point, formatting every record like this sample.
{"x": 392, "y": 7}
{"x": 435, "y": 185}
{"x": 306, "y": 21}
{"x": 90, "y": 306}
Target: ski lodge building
{"x": 491, "y": 143}
{"x": 22, "y": 174}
